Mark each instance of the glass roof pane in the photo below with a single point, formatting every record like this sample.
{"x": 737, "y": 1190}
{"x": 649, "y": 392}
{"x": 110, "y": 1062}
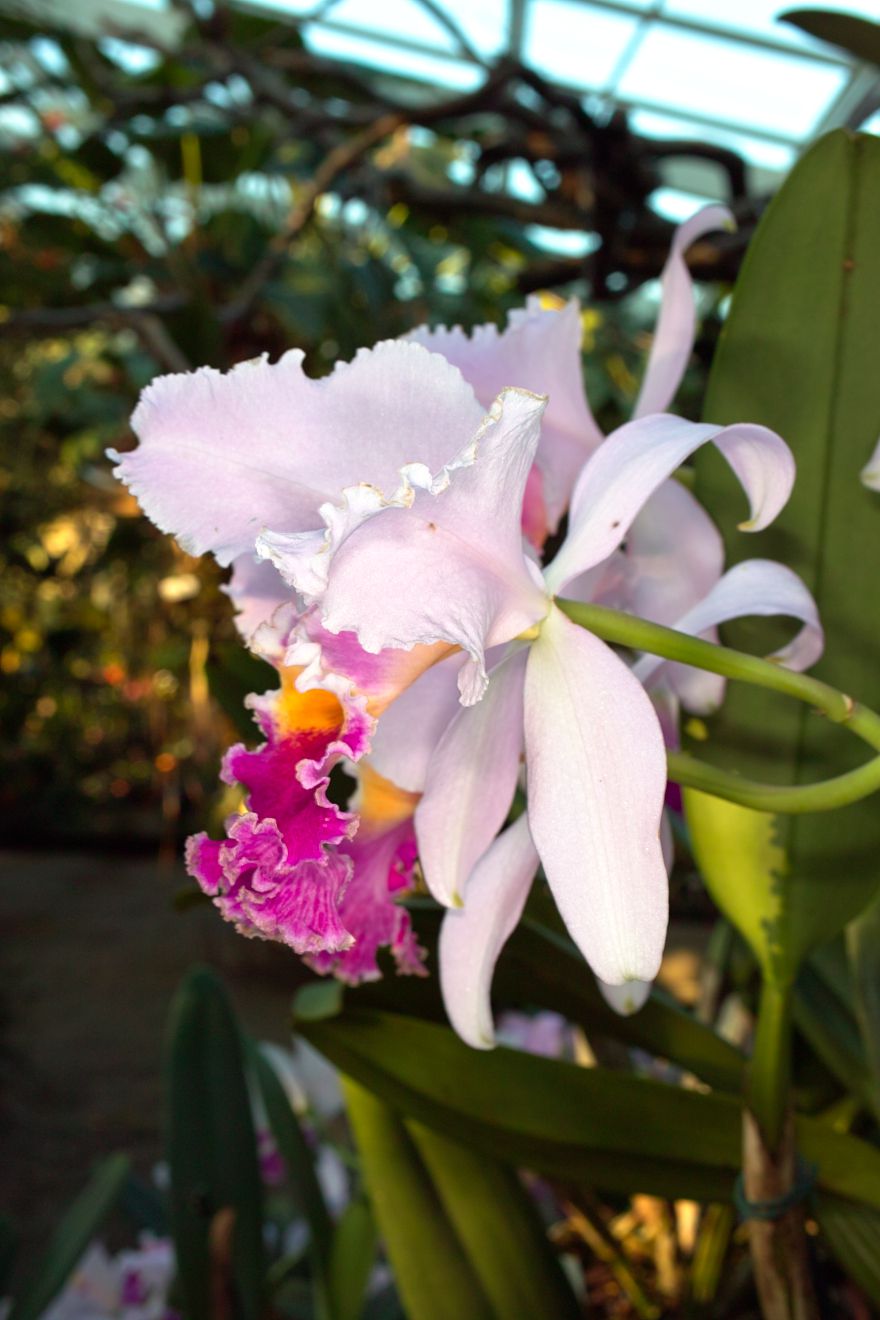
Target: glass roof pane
{"x": 767, "y": 155}
{"x": 759, "y": 17}
{"x": 676, "y": 204}
{"x": 393, "y": 18}
{"x": 436, "y": 69}
{"x": 575, "y": 43}
{"x": 485, "y": 23}
{"x": 756, "y": 88}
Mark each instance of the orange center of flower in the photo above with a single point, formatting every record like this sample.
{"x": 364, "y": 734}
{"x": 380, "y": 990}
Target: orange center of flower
{"x": 314, "y": 711}
{"x": 383, "y": 805}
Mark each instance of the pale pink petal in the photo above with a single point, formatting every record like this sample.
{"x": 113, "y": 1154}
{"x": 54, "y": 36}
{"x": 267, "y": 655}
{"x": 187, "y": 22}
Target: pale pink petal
{"x": 677, "y": 323}
{"x": 871, "y": 471}
{"x": 411, "y": 727}
{"x": 222, "y": 456}
{"x": 596, "y": 777}
{"x": 440, "y": 560}
{"x": 378, "y": 676}
{"x": 636, "y": 459}
{"x": 754, "y": 587}
{"x": 258, "y": 591}
{"x": 539, "y": 350}
{"x": 674, "y": 553}
{"x": 472, "y": 937}
{"x": 471, "y": 781}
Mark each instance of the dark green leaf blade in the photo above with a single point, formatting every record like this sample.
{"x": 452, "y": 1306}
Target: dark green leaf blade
{"x": 611, "y": 1130}
{"x": 434, "y": 1276}
{"x": 216, "y": 1191}
{"x": 352, "y": 1259}
{"x": 498, "y": 1227}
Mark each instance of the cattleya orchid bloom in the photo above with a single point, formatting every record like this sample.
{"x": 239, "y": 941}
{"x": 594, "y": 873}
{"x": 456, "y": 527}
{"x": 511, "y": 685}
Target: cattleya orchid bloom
{"x": 431, "y": 538}
{"x": 441, "y": 559}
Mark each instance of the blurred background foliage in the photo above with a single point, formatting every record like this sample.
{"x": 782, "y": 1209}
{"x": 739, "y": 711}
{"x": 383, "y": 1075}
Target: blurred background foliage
{"x": 236, "y": 196}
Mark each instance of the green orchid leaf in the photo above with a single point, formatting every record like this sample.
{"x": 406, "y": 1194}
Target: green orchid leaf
{"x": 542, "y": 968}
{"x": 858, "y": 36}
{"x": 216, "y": 1191}
{"x": 352, "y": 1258}
{"x": 300, "y": 1166}
{"x": 72, "y": 1237}
{"x": 495, "y": 1220}
{"x": 434, "y": 1276}
{"x": 853, "y": 1234}
{"x": 863, "y": 947}
{"x": 583, "y": 1124}
{"x": 797, "y": 354}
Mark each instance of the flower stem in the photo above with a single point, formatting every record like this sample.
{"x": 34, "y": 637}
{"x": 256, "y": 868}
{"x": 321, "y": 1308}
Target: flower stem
{"x": 640, "y": 635}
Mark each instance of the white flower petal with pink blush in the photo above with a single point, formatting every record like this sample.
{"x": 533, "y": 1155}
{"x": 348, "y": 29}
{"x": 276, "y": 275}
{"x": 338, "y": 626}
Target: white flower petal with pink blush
{"x": 258, "y": 592}
{"x": 539, "y": 350}
{"x": 472, "y": 937}
{"x": 223, "y": 455}
{"x": 596, "y": 778}
{"x": 441, "y": 559}
{"x": 637, "y": 458}
{"x": 471, "y": 782}
{"x": 754, "y": 587}
{"x": 409, "y": 730}
{"x": 677, "y": 324}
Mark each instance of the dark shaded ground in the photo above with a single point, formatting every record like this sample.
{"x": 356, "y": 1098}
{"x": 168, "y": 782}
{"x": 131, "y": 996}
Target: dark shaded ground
{"x": 91, "y": 952}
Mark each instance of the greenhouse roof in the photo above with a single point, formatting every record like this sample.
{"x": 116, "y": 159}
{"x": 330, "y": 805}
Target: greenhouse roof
{"x": 732, "y": 74}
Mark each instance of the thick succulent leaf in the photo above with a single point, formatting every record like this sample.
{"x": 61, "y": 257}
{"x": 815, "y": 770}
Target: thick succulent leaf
{"x": 71, "y": 1238}
{"x": 612, "y": 1130}
{"x": 798, "y": 354}
{"x": 212, "y": 1152}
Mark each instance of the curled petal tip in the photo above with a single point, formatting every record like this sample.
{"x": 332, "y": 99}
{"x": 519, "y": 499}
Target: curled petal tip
{"x": 627, "y": 998}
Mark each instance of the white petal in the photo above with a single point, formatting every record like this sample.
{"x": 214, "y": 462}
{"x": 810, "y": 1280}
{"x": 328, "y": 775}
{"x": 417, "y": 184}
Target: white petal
{"x": 471, "y": 781}
{"x": 754, "y": 587}
{"x": 472, "y": 937}
{"x": 637, "y": 458}
{"x": 596, "y": 778}
{"x": 223, "y": 455}
{"x": 627, "y": 998}
{"x": 539, "y": 350}
{"x": 676, "y": 326}
{"x": 409, "y": 730}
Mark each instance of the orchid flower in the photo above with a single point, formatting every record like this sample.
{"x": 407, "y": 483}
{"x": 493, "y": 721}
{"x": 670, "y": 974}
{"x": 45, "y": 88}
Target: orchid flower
{"x": 439, "y": 560}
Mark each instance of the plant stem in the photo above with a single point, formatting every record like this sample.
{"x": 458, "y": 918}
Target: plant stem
{"x": 638, "y": 634}
{"x": 770, "y": 1069}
